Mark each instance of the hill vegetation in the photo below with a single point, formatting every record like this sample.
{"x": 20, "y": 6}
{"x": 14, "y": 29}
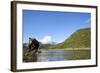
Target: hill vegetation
{"x": 79, "y": 39}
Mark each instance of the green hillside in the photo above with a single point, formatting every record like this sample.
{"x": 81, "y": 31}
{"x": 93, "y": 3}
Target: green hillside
{"x": 79, "y": 39}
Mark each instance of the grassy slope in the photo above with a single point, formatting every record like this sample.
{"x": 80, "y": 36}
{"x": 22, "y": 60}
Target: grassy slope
{"x": 79, "y": 39}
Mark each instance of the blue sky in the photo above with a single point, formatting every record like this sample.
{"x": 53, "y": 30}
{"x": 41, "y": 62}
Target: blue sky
{"x": 52, "y": 26}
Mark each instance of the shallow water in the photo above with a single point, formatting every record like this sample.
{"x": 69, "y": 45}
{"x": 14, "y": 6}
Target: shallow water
{"x": 61, "y": 55}
{"x": 58, "y": 55}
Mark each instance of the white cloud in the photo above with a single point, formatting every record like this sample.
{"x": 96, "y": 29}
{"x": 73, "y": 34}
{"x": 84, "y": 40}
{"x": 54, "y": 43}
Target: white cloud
{"x": 46, "y": 40}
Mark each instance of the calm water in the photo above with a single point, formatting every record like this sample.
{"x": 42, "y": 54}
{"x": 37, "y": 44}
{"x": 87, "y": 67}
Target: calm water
{"x": 61, "y": 55}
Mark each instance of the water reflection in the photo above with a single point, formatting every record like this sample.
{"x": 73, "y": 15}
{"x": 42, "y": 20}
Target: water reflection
{"x": 60, "y": 55}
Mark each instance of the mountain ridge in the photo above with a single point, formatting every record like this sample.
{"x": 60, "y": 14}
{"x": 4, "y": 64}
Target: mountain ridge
{"x": 79, "y": 39}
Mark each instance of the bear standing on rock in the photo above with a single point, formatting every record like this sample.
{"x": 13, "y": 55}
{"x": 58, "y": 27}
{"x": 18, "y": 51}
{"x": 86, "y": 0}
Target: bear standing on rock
{"x": 33, "y": 45}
